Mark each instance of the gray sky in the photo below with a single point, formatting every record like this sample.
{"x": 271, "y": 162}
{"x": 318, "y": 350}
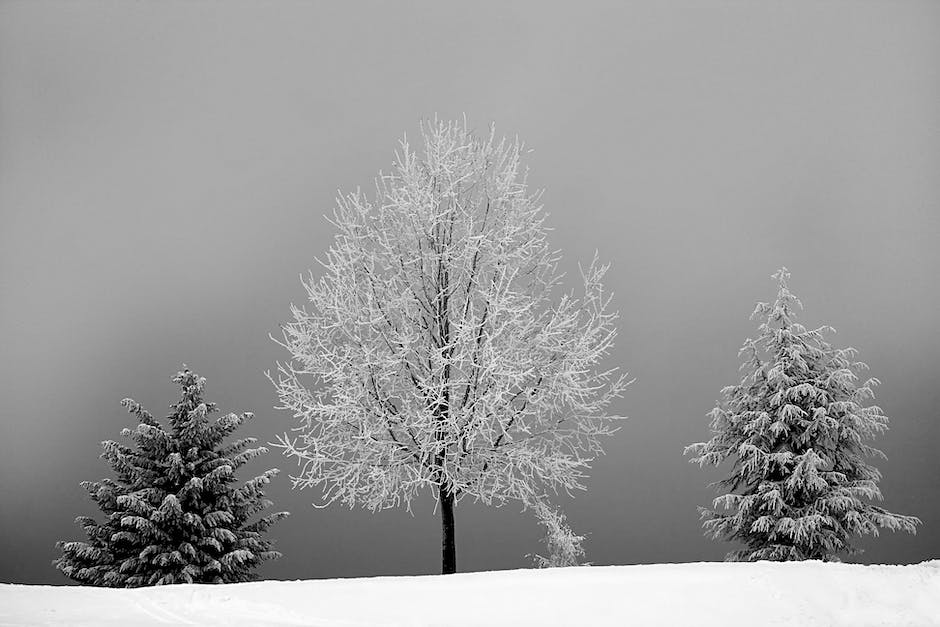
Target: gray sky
{"x": 164, "y": 170}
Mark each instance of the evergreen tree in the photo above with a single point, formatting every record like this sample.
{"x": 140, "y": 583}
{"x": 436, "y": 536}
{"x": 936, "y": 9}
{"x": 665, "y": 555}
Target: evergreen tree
{"x": 796, "y": 428}
{"x": 174, "y": 513}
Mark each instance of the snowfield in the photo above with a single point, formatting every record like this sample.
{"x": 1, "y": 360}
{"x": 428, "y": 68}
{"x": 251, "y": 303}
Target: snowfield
{"x": 702, "y": 594}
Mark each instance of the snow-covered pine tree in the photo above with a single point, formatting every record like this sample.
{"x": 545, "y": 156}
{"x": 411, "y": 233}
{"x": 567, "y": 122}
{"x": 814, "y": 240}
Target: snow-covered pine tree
{"x": 174, "y": 514}
{"x": 796, "y": 428}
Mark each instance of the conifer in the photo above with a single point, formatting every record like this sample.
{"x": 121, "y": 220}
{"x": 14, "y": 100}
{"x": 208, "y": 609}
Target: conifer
{"x": 796, "y": 429}
{"x": 174, "y": 512}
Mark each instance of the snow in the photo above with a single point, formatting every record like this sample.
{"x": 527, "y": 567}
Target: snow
{"x": 702, "y": 594}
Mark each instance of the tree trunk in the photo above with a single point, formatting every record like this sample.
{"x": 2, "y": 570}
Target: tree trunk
{"x": 448, "y": 544}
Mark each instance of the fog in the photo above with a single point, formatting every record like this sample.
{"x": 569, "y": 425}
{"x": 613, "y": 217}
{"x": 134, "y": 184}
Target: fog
{"x": 165, "y": 169}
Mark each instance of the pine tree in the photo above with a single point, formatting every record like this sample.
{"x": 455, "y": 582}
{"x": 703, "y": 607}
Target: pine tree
{"x": 174, "y": 513}
{"x": 796, "y": 429}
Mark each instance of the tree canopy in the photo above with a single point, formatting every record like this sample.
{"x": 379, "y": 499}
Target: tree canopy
{"x": 435, "y": 349}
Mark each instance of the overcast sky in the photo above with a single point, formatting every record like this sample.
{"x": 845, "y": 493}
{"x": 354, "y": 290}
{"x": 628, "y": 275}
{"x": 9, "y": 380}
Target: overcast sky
{"x": 165, "y": 168}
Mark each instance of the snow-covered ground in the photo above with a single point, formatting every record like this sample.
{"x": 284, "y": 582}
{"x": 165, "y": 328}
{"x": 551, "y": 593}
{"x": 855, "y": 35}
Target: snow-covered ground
{"x": 798, "y": 593}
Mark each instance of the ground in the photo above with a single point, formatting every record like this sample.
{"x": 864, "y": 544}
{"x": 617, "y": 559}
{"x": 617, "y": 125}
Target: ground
{"x": 800, "y": 594}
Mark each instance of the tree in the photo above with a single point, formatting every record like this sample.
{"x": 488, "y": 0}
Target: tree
{"x": 563, "y": 544}
{"x": 174, "y": 513}
{"x": 431, "y": 353}
{"x": 796, "y": 429}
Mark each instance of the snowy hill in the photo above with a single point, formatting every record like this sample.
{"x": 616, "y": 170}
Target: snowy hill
{"x": 703, "y": 594}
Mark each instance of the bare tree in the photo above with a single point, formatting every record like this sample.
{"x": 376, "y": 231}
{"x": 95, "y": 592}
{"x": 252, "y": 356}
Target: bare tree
{"x": 434, "y": 351}
{"x": 563, "y": 544}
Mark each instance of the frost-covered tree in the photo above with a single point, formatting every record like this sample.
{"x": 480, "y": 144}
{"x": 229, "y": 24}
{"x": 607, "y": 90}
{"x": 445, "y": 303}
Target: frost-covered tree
{"x": 175, "y": 513}
{"x": 434, "y": 351}
{"x": 563, "y": 544}
{"x": 796, "y": 430}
